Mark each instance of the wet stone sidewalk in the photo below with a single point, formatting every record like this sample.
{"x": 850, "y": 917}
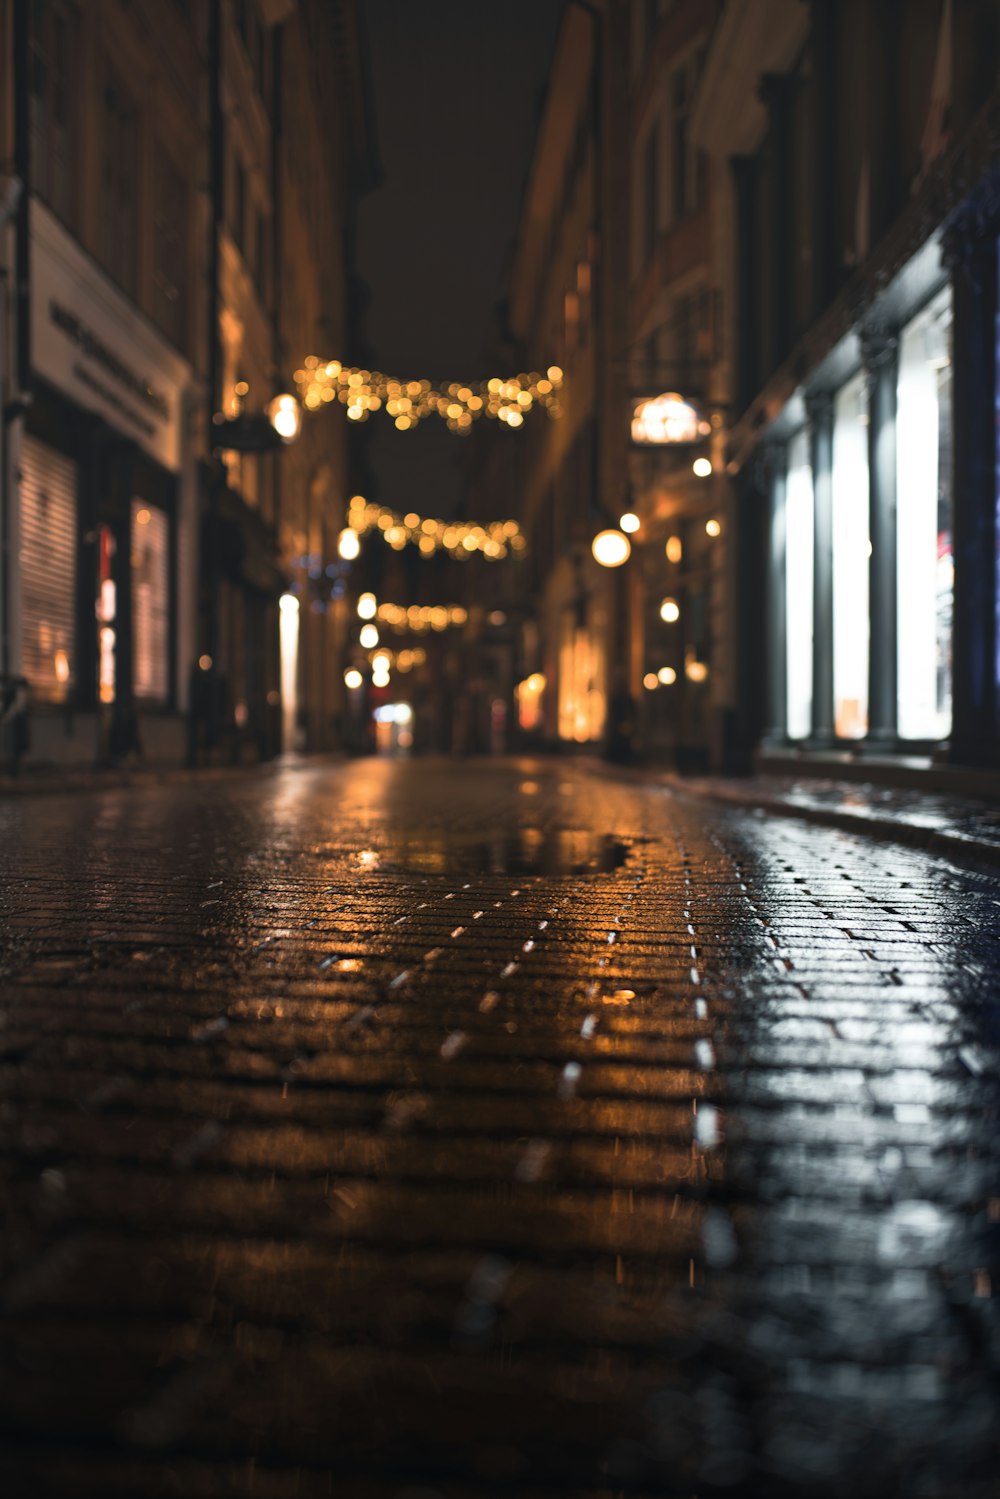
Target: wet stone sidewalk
{"x": 469, "y": 1130}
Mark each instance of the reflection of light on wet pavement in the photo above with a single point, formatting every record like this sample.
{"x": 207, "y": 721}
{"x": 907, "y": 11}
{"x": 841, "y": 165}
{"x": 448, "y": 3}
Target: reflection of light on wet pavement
{"x": 339, "y": 1084}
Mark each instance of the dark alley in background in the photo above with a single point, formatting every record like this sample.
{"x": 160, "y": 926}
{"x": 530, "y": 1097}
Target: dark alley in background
{"x": 499, "y": 747}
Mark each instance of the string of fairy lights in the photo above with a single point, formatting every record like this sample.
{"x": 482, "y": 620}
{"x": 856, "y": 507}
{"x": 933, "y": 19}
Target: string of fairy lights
{"x": 325, "y": 382}
{"x": 409, "y": 402}
{"x": 493, "y": 540}
{"x": 413, "y": 618}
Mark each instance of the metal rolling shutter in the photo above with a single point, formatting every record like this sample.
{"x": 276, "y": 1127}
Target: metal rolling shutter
{"x": 150, "y": 602}
{"x": 48, "y": 570}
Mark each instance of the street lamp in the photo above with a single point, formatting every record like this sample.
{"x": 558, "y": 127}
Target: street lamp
{"x": 611, "y": 548}
{"x": 349, "y": 544}
{"x": 285, "y": 415}
{"x": 258, "y": 431}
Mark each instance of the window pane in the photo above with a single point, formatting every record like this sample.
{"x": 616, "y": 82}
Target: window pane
{"x": 120, "y": 185}
{"x": 650, "y": 175}
{"x": 851, "y": 554}
{"x": 799, "y": 586}
{"x": 925, "y": 571}
{"x": 169, "y": 250}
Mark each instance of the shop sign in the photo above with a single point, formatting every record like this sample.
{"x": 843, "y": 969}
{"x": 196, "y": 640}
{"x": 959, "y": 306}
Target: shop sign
{"x": 90, "y": 342}
{"x": 667, "y": 419}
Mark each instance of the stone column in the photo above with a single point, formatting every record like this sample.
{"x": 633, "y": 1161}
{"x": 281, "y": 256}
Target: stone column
{"x": 880, "y": 352}
{"x": 819, "y": 409}
{"x": 776, "y": 731}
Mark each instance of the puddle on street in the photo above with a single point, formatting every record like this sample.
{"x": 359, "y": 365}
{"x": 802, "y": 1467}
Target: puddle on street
{"x": 515, "y": 851}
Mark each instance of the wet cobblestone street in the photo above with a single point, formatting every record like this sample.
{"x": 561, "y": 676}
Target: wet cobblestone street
{"x": 422, "y": 1129}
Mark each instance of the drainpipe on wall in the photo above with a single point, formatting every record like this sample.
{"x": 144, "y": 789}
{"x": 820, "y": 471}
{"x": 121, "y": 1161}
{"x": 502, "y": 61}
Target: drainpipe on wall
{"x": 8, "y": 207}
{"x": 16, "y": 200}
{"x": 204, "y": 685}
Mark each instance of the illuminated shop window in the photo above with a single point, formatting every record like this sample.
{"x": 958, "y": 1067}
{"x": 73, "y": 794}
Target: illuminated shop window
{"x": 924, "y": 561}
{"x": 581, "y": 683}
{"x": 851, "y": 554}
{"x": 529, "y": 701}
{"x": 799, "y": 587}
{"x": 47, "y": 561}
{"x": 150, "y": 601}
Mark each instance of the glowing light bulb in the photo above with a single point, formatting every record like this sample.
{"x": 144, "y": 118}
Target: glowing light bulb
{"x": 713, "y": 528}
{"x": 353, "y": 679}
{"x": 702, "y": 467}
{"x": 368, "y": 637}
{"x": 285, "y": 416}
{"x": 629, "y": 522}
{"x": 349, "y": 544}
{"x": 675, "y": 549}
{"x": 611, "y": 548}
{"x": 666, "y": 675}
{"x": 670, "y": 611}
{"x": 367, "y": 606}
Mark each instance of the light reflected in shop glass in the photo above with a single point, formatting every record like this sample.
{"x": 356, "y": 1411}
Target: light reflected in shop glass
{"x": 799, "y": 529}
{"x": 851, "y": 554}
{"x": 924, "y": 547}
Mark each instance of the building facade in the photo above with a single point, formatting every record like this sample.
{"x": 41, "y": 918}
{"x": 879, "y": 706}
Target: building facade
{"x": 142, "y": 561}
{"x": 614, "y": 277}
{"x": 100, "y": 376}
{"x": 565, "y": 304}
{"x": 685, "y": 545}
{"x": 326, "y": 160}
{"x": 858, "y": 147}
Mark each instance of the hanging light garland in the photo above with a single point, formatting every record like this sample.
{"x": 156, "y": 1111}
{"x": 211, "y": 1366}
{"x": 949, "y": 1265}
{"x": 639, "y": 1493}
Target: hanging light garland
{"x": 418, "y": 619}
{"x": 383, "y": 660}
{"x": 495, "y": 540}
{"x": 408, "y": 402}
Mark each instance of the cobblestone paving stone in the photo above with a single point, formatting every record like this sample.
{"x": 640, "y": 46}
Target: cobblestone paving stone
{"x": 428, "y": 1130}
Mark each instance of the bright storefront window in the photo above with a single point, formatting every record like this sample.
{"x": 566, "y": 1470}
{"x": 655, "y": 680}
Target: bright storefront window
{"x": 799, "y": 587}
{"x": 47, "y": 564}
{"x": 581, "y": 683}
{"x": 924, "y": 558}
{"x": 150, "y": 601}
{"x": 851, "y": 555}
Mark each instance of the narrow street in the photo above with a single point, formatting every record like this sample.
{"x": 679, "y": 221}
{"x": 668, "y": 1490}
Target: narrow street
{"x": 433, "y": 1129}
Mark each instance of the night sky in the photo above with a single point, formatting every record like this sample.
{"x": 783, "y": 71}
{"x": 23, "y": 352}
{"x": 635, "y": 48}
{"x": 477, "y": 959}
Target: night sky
{"x": 457, "y": 88}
